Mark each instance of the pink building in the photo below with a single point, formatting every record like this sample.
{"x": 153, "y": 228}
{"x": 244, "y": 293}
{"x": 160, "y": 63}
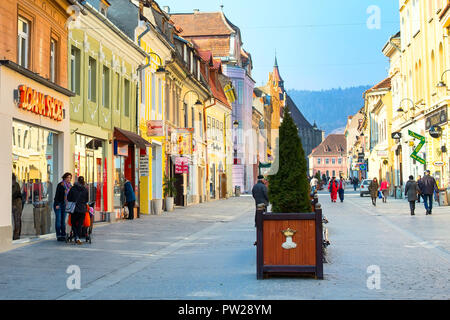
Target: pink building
{"x": 330, "y": 157}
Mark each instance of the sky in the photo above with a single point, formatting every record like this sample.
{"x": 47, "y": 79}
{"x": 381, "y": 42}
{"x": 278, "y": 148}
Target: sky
{"x": 320, "y": 44}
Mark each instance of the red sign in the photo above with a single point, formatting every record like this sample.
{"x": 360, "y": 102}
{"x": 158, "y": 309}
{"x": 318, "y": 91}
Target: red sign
{"x": 105, "y": 188}
{"x": 41, "y": 104}
{"x": 181, "y": 165}
{"x": 155, "y": 128}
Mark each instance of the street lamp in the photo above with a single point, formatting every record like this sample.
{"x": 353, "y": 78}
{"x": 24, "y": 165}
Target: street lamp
{"x": 400, "y": 109}
{"x": 198, "y": 102}
{"x": 441, "y": 83}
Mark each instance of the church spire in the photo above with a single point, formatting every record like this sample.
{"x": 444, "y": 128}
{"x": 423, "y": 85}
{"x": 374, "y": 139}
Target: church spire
{"x": 276, "y": 62}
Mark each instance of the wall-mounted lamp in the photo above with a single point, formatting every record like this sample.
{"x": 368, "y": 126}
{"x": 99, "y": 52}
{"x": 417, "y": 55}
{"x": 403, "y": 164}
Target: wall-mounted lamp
{"x": 441, "y": 83}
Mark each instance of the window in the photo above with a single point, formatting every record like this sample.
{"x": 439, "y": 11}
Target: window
{"x": 327, "y": 161}
{"x": 186, "y": 115}
{"x": 318, "y": 160}
{"x": 105, "y": 87}
{"x": 23, "y": 42}
{"x": 340, "y": 160}
{"x": 333, "y": 161}
{"x": 160, "y": 96}
{"x": 185, "y": 55}
{"x": 201, "y": 123}
{"x": 117, "y": 91}
{"x": 153, "y": 93}
{"x": 198, "y": 70}
{"x": 75, "y": 70}
{"x": 192, "y": 118}
{"x": 52, "y": 60}
{"x": 126, "y": 97}
{"x": 92, "y": 80}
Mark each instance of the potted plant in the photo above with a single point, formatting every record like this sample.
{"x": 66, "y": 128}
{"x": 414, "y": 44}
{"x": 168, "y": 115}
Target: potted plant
{"x": 289, "y": 239}
{"x": 170, "y": 192}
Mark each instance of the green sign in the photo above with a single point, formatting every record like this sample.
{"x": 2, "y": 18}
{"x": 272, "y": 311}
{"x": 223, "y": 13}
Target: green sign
{"x": 265, "y": 165}
{"x": 419, "y": 146}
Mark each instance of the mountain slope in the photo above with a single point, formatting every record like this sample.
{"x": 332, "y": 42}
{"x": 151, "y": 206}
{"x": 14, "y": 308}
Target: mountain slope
{"x": 329, "y": 108}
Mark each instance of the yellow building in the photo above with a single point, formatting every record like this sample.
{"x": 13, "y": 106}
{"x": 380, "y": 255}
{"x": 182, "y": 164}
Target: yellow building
{"x": 424, "y": 87}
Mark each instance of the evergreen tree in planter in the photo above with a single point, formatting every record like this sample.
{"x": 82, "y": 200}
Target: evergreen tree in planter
{"x": 289, "y": 187}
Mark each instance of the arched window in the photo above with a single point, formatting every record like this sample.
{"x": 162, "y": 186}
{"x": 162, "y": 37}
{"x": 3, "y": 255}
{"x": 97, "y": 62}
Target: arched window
{"x": 434, "y": 79}
{"x": 441, "y": 61}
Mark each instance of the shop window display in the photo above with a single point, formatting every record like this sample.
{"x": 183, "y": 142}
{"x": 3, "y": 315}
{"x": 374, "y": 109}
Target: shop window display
{"x": 34, "y": 162}
{"x": 89, "y": 158}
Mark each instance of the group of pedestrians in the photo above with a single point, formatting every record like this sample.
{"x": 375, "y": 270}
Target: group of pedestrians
{"x": 425, "y": 187}
{"x": 377, "y": 190}
{"x": 75, "y": 196}
{"x": 337, "y": 187}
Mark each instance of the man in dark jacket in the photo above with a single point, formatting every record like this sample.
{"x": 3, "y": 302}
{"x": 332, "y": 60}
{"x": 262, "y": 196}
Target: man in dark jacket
{"x": 130, "y": 199}
{"x": 16, "y": 208}
{"x": 427, "y": 187}
{"x": 259, "y": 193}
{"x": 411, "y": 190}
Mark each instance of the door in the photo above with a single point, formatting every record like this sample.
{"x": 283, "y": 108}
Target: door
{"x": 179, "y": 199}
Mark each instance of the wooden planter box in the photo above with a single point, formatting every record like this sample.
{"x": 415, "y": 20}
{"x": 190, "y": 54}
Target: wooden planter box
{"x": 305, "y": 259}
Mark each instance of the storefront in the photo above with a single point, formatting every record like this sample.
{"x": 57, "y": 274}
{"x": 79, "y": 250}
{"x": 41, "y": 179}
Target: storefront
{"x": 34, "y": 119}
{"x": 90, "y": 162}
{"x": 438, "y": 139}
{"x": 128, "y": 149}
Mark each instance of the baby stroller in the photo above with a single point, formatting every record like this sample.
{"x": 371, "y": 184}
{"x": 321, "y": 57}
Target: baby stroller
{"x": 86, "y": 229}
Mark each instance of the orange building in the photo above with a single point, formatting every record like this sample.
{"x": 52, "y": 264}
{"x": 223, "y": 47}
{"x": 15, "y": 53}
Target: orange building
{"x": 34, "y": 118}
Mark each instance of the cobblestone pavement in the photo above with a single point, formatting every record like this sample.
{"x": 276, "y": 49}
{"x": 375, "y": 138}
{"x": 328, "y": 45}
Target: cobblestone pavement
{"x": 206, "y": 252}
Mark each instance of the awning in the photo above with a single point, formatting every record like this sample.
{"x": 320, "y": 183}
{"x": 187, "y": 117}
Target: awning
{"x": 130, "y": 137}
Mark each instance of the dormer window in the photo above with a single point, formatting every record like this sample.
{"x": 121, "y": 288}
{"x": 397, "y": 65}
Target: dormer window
{"x": 103, "y": 6}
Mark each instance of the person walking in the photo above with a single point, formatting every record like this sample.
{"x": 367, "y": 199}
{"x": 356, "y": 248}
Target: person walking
{"x": 373, "y": 189}
{"x": 78, "y": 194}
{"x": 411, "y": 192}
{"x": 59, "y": 205}
{"x": 313, "y": 184}
{"x": 259, "y": 193}
{"x": 130, "y": 198}
{"x": 341, "y": 188}
{"x": 384, "y": 188}
{"x": 355, "y": 182}
{"x": 428, "y": 187}
{"x": 333, "y": 187}
{"x": 16, "y": 208}
{"x": 419, "y": 195}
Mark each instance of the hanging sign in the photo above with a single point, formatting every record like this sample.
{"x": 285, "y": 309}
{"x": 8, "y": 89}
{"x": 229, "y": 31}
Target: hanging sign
{"x": 418, "y": 147}
{"x": 435, "y": 131}
{"x": 439, "y": 163}
{"x": 437, "y": 118}
{"x": 38, "y": 103}
{"x": 181, "y": 165}
{"x": 396, "y": 135}
{"x": 184, "y": 141}
{"x": 155, "y": 128}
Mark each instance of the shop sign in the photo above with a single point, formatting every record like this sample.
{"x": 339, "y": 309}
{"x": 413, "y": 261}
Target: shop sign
{"x": 439, "y": 163}
{"x": 437, "y": 118}
{"x": 155, "y": 128}
{"x": 38, "y": 103}
{"x": 105, "y": 187}
{"x": 143, "y": 166}
{"x": 435, "y": 131}
{"x": 418, "y": 147}
{"x": 120, "y": 148}
{"x": 181, "y": 165}
{"x": 184, "y": 141}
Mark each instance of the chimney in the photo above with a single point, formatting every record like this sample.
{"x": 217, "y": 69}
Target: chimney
{"x": 196, "y": 10}
{"x": 166, "y": 9}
